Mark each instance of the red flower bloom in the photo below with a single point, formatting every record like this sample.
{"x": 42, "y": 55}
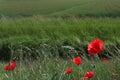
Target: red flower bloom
{"x": 77, "y": 60}
{"x": 7, "y": 68}
{"x": 95, "y": 47}
{"x": 89, "y": 75}
{"x": 11, "y": 66}
{"x": 68, "y": 71}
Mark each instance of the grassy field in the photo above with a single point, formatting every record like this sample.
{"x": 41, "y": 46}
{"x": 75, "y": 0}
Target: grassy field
{"x": 39, "y": 44}
{"x": 54, "y": 69}
{"x": 72, "y": 31}
{"x": 45, "y": 35}
{"x": 84, "y": 29}
{"x": 64, "y": 8}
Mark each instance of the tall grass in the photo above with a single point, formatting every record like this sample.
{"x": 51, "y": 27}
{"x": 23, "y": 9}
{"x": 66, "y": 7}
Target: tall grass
{"x": 45, "y": 43}
{"x": 58, "y": 29}
{"x": 53, "y": 68}
{"x": 56, "y": 32}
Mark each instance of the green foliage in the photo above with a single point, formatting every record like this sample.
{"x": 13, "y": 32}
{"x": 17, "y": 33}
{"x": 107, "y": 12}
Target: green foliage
{"x": 45, "y": 43}
{"x": 57, "y": 29}
{"x": 57, "y": 33}
{"x": 62, "y": 8}
{"x": 54, "y": 69}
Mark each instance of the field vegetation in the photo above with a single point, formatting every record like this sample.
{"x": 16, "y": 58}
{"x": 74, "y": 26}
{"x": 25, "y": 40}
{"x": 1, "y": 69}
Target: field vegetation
{"x": 44, "y": 36}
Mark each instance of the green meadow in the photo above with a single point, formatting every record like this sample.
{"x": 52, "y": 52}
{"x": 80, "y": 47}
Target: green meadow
{"x": 62, "y": 8}
{"x": 43, "y": 36}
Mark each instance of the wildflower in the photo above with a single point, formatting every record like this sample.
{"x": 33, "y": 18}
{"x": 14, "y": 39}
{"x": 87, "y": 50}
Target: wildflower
{"x": 77, "y": 60}
{"x": 95, "y": 47}
{"x": 89, "y": 75}
{"x": 11, "y": 66}
{"x": 7, "y": 68}
{"x": 68, "y": 71}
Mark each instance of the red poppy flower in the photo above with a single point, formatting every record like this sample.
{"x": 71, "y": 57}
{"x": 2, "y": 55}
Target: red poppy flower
{"x": 68, "y": 71}
{"x": 7, "y": 68}
{"x": 89, "y": 75}
{"x": 95, "y": 47}
{"x": 77, "y": 60}
{"x": 11, "y": 66}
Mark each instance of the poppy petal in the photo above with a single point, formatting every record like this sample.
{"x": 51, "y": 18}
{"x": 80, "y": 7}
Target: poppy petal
{"x": 68, "y": 71}
{"x": 77, "y": 60}
{"x": 95, "y": 47}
